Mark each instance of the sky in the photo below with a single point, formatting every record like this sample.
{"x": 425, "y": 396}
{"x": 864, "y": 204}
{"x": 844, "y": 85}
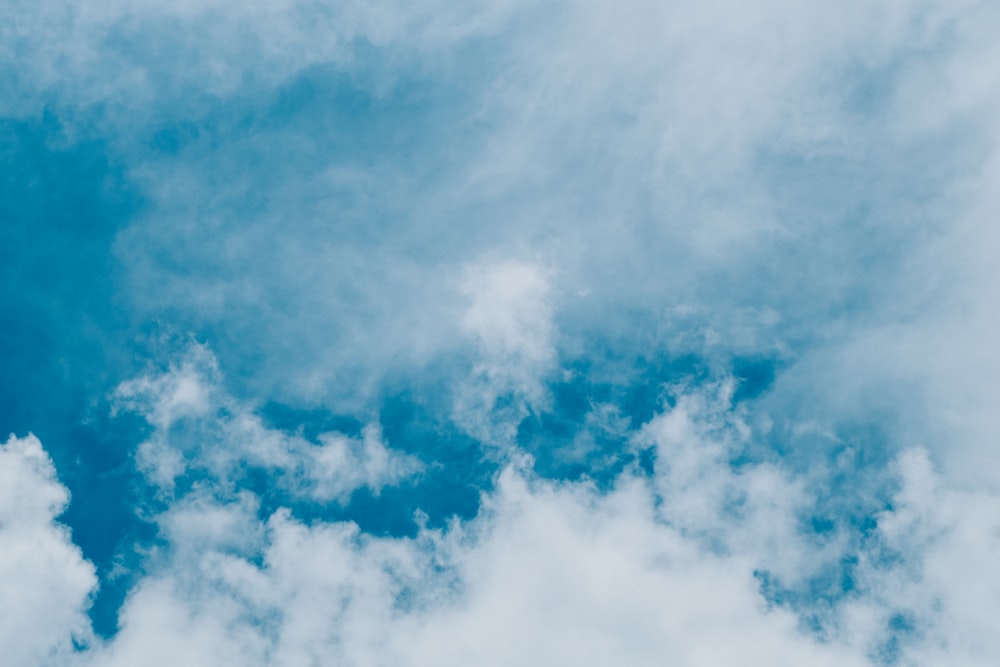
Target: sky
{"x": 503, "y": 332}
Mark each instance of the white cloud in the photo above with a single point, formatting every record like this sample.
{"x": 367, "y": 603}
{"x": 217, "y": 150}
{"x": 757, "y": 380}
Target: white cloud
{"x": 547, "y": 573}
{"x": 933, "y": 568}
{"x": 755, "y": 511}
{"x": 199, "y": 428}
{"x": 509, "y": 312}
{"x": 45, "y": 584}
{"x": 564, "y": 575}
{"x": 509, "y": 318}
{"x": 652, "y": 570}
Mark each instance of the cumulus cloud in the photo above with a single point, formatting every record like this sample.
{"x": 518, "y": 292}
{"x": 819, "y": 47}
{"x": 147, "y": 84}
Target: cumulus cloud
{"x": 665, "y": 565}
{"x": 45, "y": 583}
{"x": 548, "y": 571}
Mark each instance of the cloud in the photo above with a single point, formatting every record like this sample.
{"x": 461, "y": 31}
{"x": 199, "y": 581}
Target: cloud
{"x": 558, "y": 216}
{"x": 548, "y": 571}
{"x": 696, "y": 181}
{"x": 929, "y": 576}
{"x": 123, "y": 64}
{"x": 651, "y": 153}
{"x": 510, "y": 320}
{"x": 665, "y": 564}
{"x": 45, "y": 583}
{"x": 200, "y": 431}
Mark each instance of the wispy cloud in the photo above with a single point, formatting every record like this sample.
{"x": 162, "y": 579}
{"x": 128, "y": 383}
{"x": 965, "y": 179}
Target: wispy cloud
{"x": 201, "y": 433}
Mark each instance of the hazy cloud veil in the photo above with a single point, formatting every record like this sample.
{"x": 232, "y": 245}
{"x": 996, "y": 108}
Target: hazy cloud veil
{"x": 499, "y": 333}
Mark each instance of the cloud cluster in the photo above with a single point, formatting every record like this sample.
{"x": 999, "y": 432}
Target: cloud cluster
{"x": 660, "y": 566}
{"x": 548, "y": 571}
{"x": 546, "y": 574}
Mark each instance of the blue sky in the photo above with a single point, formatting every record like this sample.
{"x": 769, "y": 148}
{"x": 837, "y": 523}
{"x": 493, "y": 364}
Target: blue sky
{"x": 498, "y": 333}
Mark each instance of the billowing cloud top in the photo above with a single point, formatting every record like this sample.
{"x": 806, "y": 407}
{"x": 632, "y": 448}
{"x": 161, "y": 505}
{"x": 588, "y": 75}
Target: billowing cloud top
{"x": 499, "y": 333}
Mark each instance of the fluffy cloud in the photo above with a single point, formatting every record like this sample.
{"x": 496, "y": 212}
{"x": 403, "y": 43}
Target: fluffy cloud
{"x": 45, "y": 584}
{"x": 201, "y": 431}
{"x": 509, "y": 318}
{"x": 930, "y": 576}
{"x": 660, "y": 567}
{"x": 547, "y": 572}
